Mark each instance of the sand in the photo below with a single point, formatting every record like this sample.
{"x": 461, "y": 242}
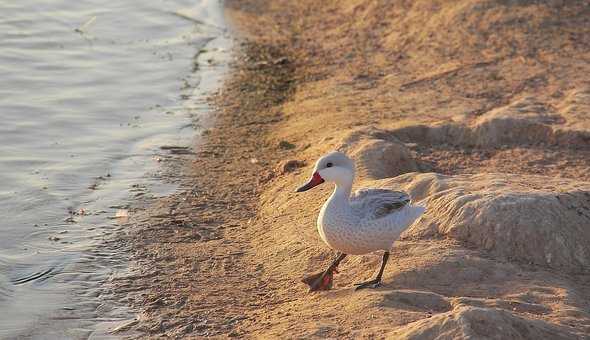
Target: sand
{"x": 452, "y": 88}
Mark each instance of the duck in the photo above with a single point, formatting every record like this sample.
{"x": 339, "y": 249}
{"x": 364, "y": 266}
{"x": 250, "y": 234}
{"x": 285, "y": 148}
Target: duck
{"x": 366, "y": 221}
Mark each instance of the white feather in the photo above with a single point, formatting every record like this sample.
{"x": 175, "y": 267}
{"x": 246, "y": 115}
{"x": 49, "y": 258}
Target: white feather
{"x": 370, "y": 220}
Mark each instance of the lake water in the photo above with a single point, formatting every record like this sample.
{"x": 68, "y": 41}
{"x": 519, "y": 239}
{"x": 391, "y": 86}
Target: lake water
{"x": 90, "y": 91}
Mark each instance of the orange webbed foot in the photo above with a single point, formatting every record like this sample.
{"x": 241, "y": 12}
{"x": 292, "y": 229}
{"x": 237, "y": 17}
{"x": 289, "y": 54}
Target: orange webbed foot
{"x": 320, "y": 281}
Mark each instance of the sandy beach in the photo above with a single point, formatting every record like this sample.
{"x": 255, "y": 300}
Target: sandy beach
{"x": 478, "y": 109}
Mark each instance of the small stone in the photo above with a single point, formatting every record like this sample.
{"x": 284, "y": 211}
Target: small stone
{"x": 281, "y": 61}
{"x": 285, "y": 145}
{"x": 187, "y": 329}
{"x": 305, "y": 147}
{"x": 289, "y": 166}
{"x": 261, "y": 64}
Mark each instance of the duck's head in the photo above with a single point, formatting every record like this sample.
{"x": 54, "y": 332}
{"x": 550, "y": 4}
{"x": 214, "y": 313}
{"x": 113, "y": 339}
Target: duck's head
{"x": 334, "y": 167}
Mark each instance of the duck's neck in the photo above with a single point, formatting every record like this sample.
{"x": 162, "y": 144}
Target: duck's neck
{"x": 338, "y": 204}
{"x": 341, "y": 193}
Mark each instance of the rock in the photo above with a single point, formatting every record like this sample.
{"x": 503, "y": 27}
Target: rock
{"x": 378, "y": 154}
{"x": 416, "y": 300}
{"x": 125, "y": 326}
{"x": 184, "y": 330}
{"x": 281, "y": 61}
{"x": 378, "y": 158}
{"x": 575, "y": 108}
{"x": 523, "y": 122}
{"x": 261, "y": 64}
{"x": 285, "y": 145}
{"x": 466, "y": 322}
{"x": 533, "y": 219}
{"x": 289, "y": 166}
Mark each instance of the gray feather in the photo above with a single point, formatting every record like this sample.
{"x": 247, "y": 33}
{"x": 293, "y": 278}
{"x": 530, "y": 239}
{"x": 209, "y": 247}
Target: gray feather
{"x": 377, "y": 203}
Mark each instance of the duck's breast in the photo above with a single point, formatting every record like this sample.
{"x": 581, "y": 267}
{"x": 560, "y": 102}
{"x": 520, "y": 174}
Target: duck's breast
{"x": 348, "y": 233}
{"x": 342, "y": 231}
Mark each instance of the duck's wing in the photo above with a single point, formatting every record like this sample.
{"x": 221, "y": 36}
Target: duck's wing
{"x": 378, "y": 203}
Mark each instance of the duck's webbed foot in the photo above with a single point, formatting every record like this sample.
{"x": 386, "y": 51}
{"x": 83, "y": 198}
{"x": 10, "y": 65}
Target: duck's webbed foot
{"x": 320, "y": 281}
{"x": 323, "y": 280}
{"x": 375, "y": 283}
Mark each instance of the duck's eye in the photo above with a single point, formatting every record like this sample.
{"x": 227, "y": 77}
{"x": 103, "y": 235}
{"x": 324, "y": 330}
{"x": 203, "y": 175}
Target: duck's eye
{"x": 329, "y": 165}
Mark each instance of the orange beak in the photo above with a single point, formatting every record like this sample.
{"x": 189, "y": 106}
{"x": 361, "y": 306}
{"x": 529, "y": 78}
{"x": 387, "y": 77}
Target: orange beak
{"x": 315, "y": 180}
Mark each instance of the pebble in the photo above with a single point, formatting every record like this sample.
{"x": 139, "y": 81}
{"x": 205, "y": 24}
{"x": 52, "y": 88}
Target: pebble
{"x": 285, "y": 145}
{"x": 289, "y": 166}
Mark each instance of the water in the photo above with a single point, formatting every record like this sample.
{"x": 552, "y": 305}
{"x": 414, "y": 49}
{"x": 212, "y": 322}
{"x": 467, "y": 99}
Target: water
{"x": 89, "y": 92}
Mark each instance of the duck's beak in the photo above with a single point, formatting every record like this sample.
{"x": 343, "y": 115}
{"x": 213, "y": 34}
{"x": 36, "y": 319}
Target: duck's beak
{"x": 315, "y": 180}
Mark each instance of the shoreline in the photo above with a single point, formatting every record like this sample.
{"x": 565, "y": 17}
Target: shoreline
{"x": 225, "y": 257}
{"x": 196, "y": 226}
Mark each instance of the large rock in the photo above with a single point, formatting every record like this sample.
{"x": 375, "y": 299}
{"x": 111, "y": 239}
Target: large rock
{"x": 575, "y": 108}
{"x": 467, "y": 322}
{"x": 534, "y": 219}
{"x": 526, "y": 121}
{"x": 378, "y": 154}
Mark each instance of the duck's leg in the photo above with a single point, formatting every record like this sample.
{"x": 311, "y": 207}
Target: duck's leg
{"x": 323, "y": 280}
{"x": 376, "y": 282}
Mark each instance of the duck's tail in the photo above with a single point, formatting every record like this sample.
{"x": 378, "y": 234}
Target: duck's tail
{"x": 417, "y": 210}
{"x": 404, "y": 219}
{"x": 411, "y": 213}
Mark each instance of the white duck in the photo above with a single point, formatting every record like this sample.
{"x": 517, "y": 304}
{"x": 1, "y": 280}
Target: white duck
{"x": 370, "y": 220}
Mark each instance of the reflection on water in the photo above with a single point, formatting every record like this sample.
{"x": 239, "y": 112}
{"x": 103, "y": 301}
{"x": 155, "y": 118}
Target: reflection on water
{"x": 89, "y": 91}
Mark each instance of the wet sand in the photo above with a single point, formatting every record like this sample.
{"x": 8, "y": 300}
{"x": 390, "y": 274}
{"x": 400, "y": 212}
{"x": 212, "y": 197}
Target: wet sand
{"x": 197, "y": 234}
